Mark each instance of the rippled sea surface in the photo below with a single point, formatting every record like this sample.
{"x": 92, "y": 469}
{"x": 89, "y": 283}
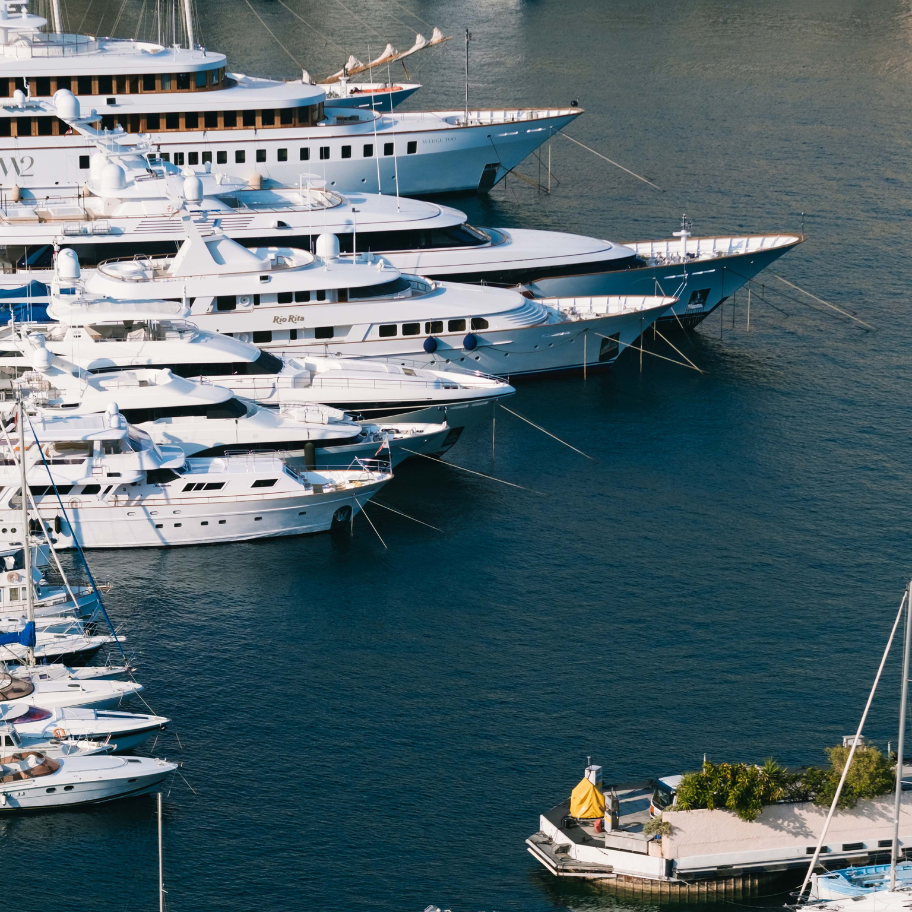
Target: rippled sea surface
{"x": 370, "y": 727}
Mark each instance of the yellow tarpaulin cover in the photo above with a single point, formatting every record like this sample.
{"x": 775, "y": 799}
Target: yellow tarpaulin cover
{"x": 586, "y": 801}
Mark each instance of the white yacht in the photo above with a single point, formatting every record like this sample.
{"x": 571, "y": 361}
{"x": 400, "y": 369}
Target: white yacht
{"x": 30, "y": 780}
{"x": 291, "y": 301}
{"x": 128, "y": 201}
{"x": 108, "y": 485}
{"x": 115, "y": 731}
{"x": 205, "y": 420}
{"x": 196, "y": 112}
{"x": 13, "y": 740}
{"x": 34, "y": 687}
{"x": 701, "y": 272}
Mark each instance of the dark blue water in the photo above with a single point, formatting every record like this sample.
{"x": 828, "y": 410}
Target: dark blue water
{"x": 379, "y": 728}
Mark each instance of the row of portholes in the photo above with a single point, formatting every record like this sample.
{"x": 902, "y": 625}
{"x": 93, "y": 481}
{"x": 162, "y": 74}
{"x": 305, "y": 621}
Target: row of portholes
{"x": 4, "y": 531}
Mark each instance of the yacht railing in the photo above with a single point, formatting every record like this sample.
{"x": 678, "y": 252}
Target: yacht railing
{"x": 52, "y": 45}
{"x": 488, "y": 117}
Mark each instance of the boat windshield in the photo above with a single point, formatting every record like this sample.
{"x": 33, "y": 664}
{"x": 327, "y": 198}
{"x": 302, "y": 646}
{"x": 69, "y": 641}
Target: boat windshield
{"x": 662, "y": 797}
{"x": 12, "y": 689}
{"x": 32, "y": 714}
{"x": 384, "y": 290}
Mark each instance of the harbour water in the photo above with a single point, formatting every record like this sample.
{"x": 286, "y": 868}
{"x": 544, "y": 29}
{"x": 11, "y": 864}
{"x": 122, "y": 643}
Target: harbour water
{"x": 370, "y": 727}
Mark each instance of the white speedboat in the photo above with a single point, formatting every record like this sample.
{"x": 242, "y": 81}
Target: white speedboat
{"x": 107, "y": 484}
{"x": 115, "y": 731}
{"x": 31, "y": 688}
{"x": 197, "y": 112}
{"x": 12, "y": 740}
{"x": 320, "y": 304}
{"x": 31, "y": 781}
{"x": 206, "y": 420}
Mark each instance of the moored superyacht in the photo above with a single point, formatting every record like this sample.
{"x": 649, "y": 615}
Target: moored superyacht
{"x": 196, "y": 111}
{"x": 106, "y": 484}
{"x": 289, "y": 300}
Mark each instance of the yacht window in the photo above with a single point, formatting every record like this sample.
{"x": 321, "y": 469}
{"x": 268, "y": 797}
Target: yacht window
{"x": 221, "y": 157}
{"x": 387, "y": 148}
{"x": 479, "y": 323}
{"x": 43, "y": 85}
{"x": 214, "y": 486}
{"x": 226, "y": 302}
{"x": 172, "y": 120}
{"x": 383, "y": 290}
{"x": 166, "y": 156}
{"x": 411, "y": 329}
{"x": 83, "y": 162}
{"x": 411, "y": 148}
{"x": 148, "y": 82}
{"x": 267, "y": 117}
{"x": 263, "y": 335}
{"x": 261, "y": 155}
{"x": 264, "y": 482}
{"x": 292, "y": 336}
{"x": 201, "y": 79}
{"x": 230, "y": 119}
{"x": 454, "y": 326}
{"x": 282, "y": 155}
{"x": 368, "y": 150}
{"x": 207, "y": 157}
{"x": 84, "y": 85}
{"x": 248, "y": 118}
{"x": 266, "y": 364}
{"x": 105, "y": 85}
{"x": 435, "y": 326}
{"x": 183, "y": 81}
{"x": 302, "y": 297}
{"x": 166, "y": 82}
{"x": 6, "y": 129}
{"x": 191, "y": 120}
{"x": 346, "y": 151}
{"x": 90, "y": 489}
{"x": 178, "y": 158}
{"x": 284, "y": 297}
{"x": 324, "y": 153}
{"x": 160, "y": 476}
{"x": 305, "y": 154}
{"x": 240, "y": 156}
{"x": 324, "y": 332}
{"x": 14, "y": 594}
{"x": 153, "y": 122}
{"x": 387, "y": 331}
{"x": 210, "y": 120}
{"x": 321, "y": 295}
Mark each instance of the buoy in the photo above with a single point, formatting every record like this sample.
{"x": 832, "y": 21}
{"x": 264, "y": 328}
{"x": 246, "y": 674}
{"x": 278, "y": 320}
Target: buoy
{"x": 310, "y": 456}
{"x": 470, "y": 342}
{"x": 430, "y": 345}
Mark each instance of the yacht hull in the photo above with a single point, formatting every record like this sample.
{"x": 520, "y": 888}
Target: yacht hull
{"x": 545, "y": 348}
{"x": 136, "y": 522}
{"x": 700, "y": 285}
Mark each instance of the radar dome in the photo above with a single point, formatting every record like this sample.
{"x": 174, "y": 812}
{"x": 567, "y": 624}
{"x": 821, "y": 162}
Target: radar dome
{"x": 68, "y": 265}
{"x": 96, "y": 165}
{"x": 67, "y": 104}
{"x": 41, "y": 358}
{"x": 327, "y": 246}
{"x": 193, "y": 189}
{"x": 113, "y": 178}
{"x": 19, "y": 98}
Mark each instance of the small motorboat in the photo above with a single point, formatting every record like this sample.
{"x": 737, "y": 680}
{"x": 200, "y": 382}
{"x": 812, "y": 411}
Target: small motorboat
{"x": 12, "y": 741}
{"x": 60, "y": 692}
{"x": 31, "y": 780}
{"x": 119, "y": 731}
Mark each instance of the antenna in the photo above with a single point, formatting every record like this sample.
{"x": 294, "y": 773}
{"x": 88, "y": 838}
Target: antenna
{"x": 468, "y": 38}
{"x": 161, "y": 870}
{"x": 27, "y": 545}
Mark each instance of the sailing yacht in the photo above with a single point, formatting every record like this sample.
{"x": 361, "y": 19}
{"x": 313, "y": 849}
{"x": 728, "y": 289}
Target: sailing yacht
{"x": 106, "y": 484}
{"x": 196, "y": 111}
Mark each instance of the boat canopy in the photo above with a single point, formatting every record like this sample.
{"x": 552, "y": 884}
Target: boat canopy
{"x": 586, "y": 801}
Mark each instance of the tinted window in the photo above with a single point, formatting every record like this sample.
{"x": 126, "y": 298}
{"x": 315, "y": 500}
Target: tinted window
{"x": 324, "y": 332}
{"x": 411, "y": 329}
{"x": 397, "y": 286}
{"x": 387, "y": 331}
{"x": 456, "y": 326}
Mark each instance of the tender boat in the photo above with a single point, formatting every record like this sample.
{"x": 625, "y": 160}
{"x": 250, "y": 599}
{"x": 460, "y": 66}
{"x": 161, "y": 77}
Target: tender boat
{"x": 13, "y": 740}
{"x": 99, "y": 480}
{"x": 198, "y": 112}
{"x": 115, "y": 731}
{"x": 31, "y": 780}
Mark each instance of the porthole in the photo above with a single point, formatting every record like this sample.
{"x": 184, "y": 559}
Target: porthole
{"x": 68, "y": 788}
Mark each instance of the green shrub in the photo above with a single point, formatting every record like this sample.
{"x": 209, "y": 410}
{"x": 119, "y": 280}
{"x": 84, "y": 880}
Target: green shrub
{"x": 657, "y": 826}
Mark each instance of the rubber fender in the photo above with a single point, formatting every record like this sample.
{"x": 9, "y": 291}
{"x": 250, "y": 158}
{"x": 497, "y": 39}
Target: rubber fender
{"x": 470, "y": 342}
{"x": 430, "y": 345}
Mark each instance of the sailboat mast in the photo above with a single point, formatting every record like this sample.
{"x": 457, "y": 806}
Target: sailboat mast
{"x": 161, "y": 870}
{"x": 26, "y": 542}
{"x": 894, "y": 855}
{"x": 188, "y": 21}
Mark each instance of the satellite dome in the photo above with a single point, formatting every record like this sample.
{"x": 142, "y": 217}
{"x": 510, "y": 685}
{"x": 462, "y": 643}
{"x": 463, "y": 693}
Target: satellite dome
{"x": 327, "y": 246}
{"x": 96, "y": 165}
{"x": 41, "y": 359}
{"x": 19, "y": 98}
{"x": 193, "y": 189}
{"x": 68, "y": 265}
{"x": 113, "y": 178}
{"x": 67, "y": 104}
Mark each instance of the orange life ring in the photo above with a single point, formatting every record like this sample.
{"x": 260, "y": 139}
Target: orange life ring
{"x": 59, "y": 734}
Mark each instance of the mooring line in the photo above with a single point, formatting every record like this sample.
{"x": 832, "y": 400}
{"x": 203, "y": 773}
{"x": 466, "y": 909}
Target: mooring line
{"x": 610, "y": 162}
{"x": 364, "y": 514}
{"x": 644, "y": 351}
{"x": 845, "y": 313}
{"x": 453, "y": 465}
{"x": 694, "y": 366}
{"x": 540, "y": 428}
{"x": 376, "y": 503}
{"x": 272, "y": 34}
